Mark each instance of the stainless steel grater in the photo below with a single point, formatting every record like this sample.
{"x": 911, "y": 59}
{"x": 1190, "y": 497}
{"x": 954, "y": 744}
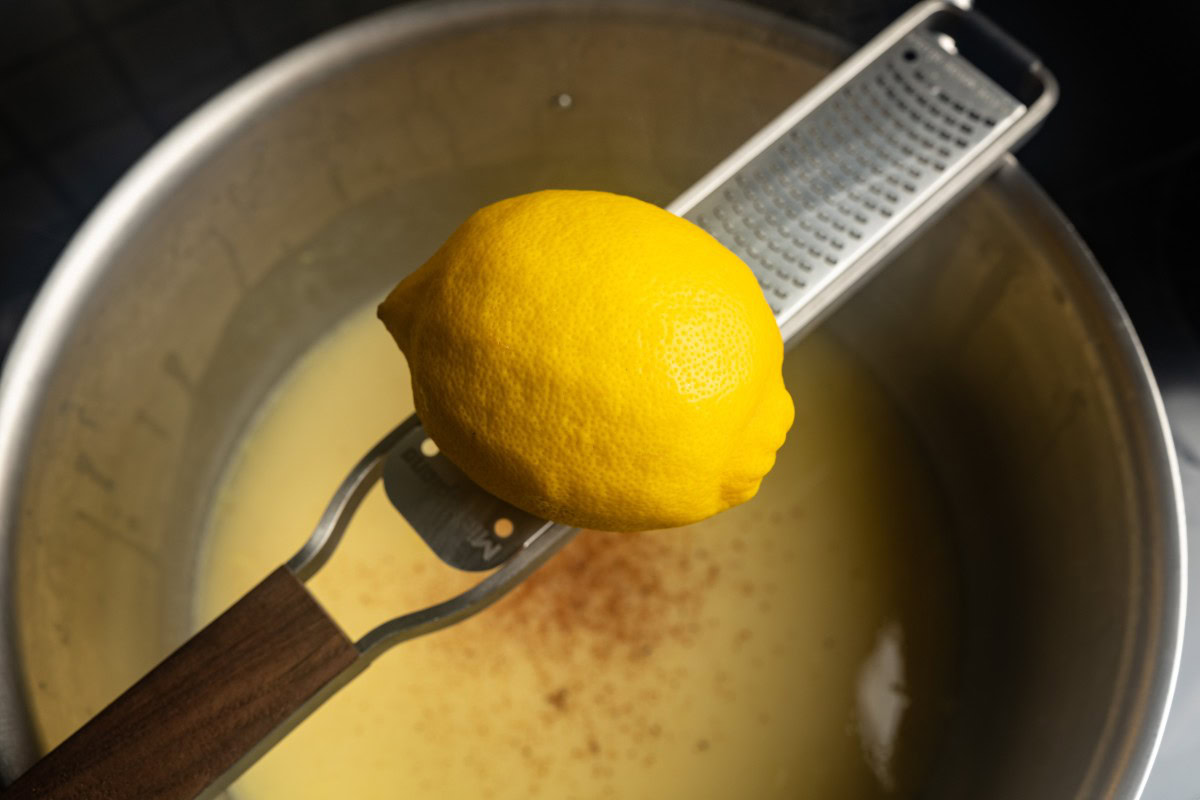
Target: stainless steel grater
{"x": 819, "y": 197}
{"x": 812, "y": 203}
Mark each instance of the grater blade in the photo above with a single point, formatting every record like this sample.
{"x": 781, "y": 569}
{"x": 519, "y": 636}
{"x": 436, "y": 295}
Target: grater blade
{"x": 839, "y": 181}
{"x": 813, "y": 203}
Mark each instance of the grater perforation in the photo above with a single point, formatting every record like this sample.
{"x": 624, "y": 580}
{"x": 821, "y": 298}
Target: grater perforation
{"x": 805, "y": 207}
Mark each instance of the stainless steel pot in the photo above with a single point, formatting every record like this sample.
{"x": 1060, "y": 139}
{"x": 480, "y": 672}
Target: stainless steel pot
{"x": 310, "y": 187}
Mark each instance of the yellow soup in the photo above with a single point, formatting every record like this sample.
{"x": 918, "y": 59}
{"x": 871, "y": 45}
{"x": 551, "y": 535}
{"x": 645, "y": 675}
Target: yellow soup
{"x": 803, "y": 645}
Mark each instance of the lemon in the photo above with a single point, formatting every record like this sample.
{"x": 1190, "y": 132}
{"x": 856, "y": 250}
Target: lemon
{"x": 595, "y": 360}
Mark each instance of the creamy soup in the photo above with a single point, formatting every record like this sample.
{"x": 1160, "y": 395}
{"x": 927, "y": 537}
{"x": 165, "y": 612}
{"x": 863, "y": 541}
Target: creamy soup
{"x": 803, "y": 645}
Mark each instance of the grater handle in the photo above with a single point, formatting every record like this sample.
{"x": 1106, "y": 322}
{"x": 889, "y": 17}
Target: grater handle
{"x": 848, "y": 174}
{"x": 204, "y": 714}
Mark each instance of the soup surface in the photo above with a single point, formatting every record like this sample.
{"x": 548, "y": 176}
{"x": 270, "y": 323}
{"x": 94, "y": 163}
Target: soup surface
{"x": 801, "y": 645}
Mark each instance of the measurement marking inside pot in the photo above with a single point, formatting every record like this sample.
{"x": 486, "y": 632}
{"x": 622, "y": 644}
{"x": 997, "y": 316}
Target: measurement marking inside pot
{"x": 85, "y": 466}
{"x": 172, "y": 365}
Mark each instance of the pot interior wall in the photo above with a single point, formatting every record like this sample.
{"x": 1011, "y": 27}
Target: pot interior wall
{"x": 990, "y": 339}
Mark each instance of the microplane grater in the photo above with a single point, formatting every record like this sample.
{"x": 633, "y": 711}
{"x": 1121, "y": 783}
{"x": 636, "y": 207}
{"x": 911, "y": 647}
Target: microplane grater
{"x": 812, "y": 203}
{"x": 837, "y": 182}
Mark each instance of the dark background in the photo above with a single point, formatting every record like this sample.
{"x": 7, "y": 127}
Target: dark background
{"x": 86, "y": 86}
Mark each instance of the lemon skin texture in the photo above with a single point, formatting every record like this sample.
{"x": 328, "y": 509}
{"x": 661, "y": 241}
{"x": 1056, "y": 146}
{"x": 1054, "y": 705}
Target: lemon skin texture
{"x": 595, "y": 360}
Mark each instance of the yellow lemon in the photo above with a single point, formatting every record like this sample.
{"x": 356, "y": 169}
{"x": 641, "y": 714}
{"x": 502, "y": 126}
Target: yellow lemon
{"x": 595, "y": 360}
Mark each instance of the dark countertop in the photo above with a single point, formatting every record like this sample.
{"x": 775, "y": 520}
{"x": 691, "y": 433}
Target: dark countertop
{"x": 86, "y": 86}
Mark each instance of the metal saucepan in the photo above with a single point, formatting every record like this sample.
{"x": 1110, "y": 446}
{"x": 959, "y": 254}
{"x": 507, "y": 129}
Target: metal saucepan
{"x": 282, "y": 206}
